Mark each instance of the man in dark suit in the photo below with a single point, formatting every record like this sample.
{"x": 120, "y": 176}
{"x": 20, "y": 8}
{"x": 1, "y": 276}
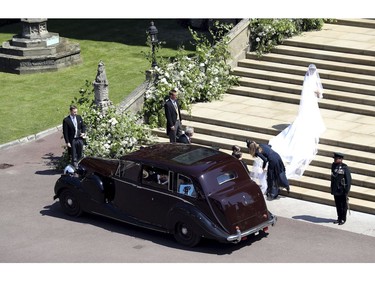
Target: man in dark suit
{"x": 74, "y": 132}
{"x": 341, "y": 180}
{"x": 173, "y": 115}
{"x": 187, "y": 136}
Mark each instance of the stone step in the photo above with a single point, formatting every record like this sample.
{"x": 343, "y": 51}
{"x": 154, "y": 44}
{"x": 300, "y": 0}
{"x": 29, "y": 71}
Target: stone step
{"x": 305, "y": 61}
{"x": 298, "y": 66}
{"x": 260, "y": 86}
{"x": 293, "y": 79}
{"x": 368, "y": 23}
{"x": 251, "y": 89}
{"x": 274, "y": 116}
{"x": 312, "y": 52}
{"x": 316, "y": 196}
{"x": 211, "y": 137}
{"x": 362, "y": 175}
{"x": 307, "y": 188}
{"x": 357, "y": 160}
{"x": 361, "y": 168}
{"x": 363, "y": 182}
{"x": 336, "y": 38}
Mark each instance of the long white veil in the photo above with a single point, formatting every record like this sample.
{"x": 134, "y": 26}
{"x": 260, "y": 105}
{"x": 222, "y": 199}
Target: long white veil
{"x": 298, "y": 143}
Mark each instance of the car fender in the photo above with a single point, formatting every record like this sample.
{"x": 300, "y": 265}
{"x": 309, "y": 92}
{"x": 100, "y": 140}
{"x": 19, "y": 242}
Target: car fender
{"x": 201, "y": 224}
{"x": 66, "y": 181}
{"x": 92, "y": 185}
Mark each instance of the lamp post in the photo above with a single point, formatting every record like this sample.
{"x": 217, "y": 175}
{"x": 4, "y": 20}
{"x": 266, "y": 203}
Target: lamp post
{"x": 152, "y": 32}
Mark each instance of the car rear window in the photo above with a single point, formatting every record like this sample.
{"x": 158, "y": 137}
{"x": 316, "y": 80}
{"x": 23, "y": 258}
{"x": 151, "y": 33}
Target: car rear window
{"x": 194, "y": 156}
{"x": 225, "y": 177}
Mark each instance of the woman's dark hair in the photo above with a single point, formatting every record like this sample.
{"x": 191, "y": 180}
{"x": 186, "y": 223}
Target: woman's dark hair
{"x": 253, "y": 147}
{"x": 248, "y": 142}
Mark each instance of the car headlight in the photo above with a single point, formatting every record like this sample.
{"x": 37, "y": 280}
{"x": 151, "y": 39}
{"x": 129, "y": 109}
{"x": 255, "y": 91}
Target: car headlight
{"x": 69, "y": 170}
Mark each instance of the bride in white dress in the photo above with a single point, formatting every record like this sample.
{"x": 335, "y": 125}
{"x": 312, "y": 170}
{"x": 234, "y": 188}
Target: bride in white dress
{"x": 298, "y": 143}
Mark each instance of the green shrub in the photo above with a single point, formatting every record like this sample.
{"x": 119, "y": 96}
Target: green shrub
{"x": 109, "y": 134}
{"x": 204, "y": 77}
{"x": 265, "y": 34}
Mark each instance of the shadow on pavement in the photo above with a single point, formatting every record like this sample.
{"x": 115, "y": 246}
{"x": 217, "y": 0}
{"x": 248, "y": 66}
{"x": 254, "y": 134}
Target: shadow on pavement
{"x": 313, "y": 219}
{"x": 205, "y": 246}
{"x": 48, "y": 172}
{"x": 51, "y": 161}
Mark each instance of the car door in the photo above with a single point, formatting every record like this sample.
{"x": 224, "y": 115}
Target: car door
{"x": 156, "y": 195}
{"x": 126, "y": 195}
{"x": 141, "y": 194}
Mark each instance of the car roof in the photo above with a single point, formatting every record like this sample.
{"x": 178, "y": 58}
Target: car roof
{"x": 187, "y": 157}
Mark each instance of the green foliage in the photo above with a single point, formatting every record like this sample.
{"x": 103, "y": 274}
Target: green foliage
{"x": 308, "y": 24}
{"x": 110, "y": 133}
{"x": 86, "y": 94}
{"x": 113, "y": 134}
{"x": 201, "y": 78}
{"x": 265, "y": 34}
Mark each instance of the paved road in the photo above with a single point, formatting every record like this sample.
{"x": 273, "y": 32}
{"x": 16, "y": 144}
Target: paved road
{"x": 34, "y": 229}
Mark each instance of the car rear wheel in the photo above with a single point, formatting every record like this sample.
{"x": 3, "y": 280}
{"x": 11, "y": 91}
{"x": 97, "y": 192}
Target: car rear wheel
{"x": 185, "y": 235}
{"x": 69, "y": 203}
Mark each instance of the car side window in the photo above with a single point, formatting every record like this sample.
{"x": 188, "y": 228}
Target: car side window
{"x": 129, "y": 170}
{"x": 155, "y": 177}
{"x": 185, "y": 186}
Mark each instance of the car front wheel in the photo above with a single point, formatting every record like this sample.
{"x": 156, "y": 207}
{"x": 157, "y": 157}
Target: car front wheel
{"x": 69, "y": 203}
{"x": 185, "y": 235}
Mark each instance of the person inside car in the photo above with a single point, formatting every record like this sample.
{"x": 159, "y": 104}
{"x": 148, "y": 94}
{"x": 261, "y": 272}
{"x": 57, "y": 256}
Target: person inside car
{"x": 162, "y": 179}
{"x": 186, "y": 187}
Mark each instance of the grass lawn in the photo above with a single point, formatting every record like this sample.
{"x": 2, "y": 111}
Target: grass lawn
{"x": 35, "y": 102}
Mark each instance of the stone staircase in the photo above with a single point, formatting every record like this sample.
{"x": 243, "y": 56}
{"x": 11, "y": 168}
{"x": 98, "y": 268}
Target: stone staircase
{"x": 267, "y": 100}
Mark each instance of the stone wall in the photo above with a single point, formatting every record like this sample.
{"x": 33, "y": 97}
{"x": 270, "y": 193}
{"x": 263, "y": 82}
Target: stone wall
{"x": 239, "y": 41}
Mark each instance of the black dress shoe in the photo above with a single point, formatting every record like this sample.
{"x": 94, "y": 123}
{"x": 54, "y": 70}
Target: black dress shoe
{"x": 341, "y": 222}
{"x": 336, "y": 221}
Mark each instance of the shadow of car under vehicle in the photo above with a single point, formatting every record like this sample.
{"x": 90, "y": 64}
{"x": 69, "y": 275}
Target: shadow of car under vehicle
{"x": 205, "y": 246}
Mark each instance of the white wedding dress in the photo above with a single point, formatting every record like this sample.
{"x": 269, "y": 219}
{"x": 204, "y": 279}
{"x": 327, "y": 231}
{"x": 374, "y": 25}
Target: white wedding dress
{"x": 298, "y": 143}
{"x": 259, "y": 175}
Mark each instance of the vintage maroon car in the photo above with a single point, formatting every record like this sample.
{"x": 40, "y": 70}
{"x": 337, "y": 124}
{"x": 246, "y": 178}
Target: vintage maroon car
{"x": 189, "y": 191}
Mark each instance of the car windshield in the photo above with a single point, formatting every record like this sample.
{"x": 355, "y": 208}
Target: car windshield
{"x": 194, "y": 156}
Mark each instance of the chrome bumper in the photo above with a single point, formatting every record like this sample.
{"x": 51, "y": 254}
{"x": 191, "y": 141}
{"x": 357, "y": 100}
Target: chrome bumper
{"x": 239, "y": 235}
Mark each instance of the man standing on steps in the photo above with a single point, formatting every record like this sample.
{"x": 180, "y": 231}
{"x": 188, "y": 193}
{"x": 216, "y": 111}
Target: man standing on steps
{"x": 340, "y": 186}
{"x": 173, "y": 115}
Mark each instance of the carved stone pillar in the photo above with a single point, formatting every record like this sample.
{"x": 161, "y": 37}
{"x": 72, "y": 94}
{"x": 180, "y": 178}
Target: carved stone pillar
{"x": 34, "y": 28}
{"x": 101, "y": 88}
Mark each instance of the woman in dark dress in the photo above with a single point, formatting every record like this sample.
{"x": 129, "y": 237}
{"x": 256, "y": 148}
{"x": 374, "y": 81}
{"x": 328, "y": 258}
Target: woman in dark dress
{"x": 276, "y": 177}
